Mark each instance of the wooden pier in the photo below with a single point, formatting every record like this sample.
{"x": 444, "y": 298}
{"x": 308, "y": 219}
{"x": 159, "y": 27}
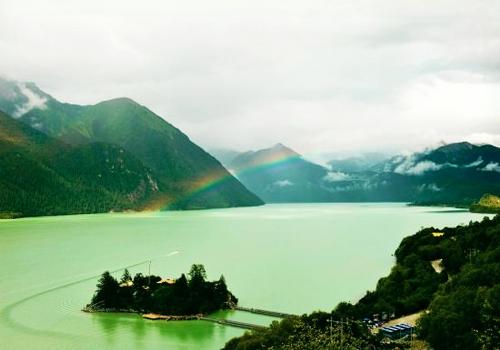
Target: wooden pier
{"x": 232, "y": 323}
{"x": 263, "y": 312}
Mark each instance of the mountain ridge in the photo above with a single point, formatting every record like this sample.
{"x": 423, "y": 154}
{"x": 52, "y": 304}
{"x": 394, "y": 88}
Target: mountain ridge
{"x": 279, "y": 174}
{"x": 453, "y": 174}
{"x": 40, "y": 175}
{"x": 181, "y": 167}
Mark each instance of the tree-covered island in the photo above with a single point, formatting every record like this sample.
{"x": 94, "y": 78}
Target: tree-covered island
{"x": 191, "y": 295}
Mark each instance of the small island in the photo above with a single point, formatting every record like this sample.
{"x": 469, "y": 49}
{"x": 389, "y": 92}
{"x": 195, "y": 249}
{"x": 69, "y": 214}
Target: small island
{"x": 162, "y": 298}
{"x": 488, "y": 203}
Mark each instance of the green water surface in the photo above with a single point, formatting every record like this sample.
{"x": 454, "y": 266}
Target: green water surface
{"x": 293, "y": 258}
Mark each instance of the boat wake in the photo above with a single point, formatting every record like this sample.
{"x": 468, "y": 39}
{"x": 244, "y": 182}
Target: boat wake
{"x": 6, "y": 314}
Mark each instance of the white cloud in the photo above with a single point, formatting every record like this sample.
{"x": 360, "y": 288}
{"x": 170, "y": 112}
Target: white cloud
{"x": 410, "y": 168}
{"x": 37, "y": 125}
{"x": 33, "y": 101}
{"x": 429, "y": 187}
{"x": 483, "y": 138}
{"x": 492, "y": 166}
{"x": 474, "y": 164}
{"x": 283, "y": 183}
{"x": 317, "y": 75}
{"x": 335, "y": 176}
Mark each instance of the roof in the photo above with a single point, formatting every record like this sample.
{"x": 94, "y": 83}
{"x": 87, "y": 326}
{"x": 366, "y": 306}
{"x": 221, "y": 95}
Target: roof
{"x": 128, "y": 283}
{"x": 167, "y": 281}
{"x": 397, "y": 328}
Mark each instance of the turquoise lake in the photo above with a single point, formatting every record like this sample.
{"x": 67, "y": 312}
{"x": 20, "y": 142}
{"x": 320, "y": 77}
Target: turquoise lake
{"x": 293, "y": 258}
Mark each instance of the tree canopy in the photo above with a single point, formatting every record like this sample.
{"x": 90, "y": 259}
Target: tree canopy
{"x": 152, "y": 294}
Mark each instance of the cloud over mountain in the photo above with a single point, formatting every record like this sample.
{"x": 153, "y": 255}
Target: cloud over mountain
{"x": 493, "y": 166}
{"x": 33, "y": 100}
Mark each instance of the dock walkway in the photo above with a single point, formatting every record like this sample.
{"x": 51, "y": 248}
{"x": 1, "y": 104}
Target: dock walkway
{"x": 263, "y": 312}
{"x": 232, "y": 323}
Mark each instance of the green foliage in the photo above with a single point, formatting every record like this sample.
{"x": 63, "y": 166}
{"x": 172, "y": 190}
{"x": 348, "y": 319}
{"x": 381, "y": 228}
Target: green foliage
{"x": 42, "y": 176}
{"x": 197, "y": 275}
{"x": 412, "y": 282}
{"x": 179, "y": 165}
{"x": 465, "y": 312}
{"x": 306, "y": 332}
{"x": 113, "y": 156}
{"x": 145, "y": 294}
{"x": 107, "y": 292}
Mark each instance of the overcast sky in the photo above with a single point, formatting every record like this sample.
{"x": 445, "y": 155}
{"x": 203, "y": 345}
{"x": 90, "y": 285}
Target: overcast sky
{"x": 319, "y": 76}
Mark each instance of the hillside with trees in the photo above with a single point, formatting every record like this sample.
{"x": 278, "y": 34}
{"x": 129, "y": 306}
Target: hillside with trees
{"x": 114, "y": 155}
{"x": 40, "y": 175}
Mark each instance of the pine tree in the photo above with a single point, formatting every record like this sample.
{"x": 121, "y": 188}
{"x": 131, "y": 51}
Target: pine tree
{"x": 126, "y": 277}
{"x": 106, "y": 295}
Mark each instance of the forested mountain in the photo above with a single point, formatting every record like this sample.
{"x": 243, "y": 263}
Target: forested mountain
{"x": 187, "y": 176}
{"x": 40, "y": 175}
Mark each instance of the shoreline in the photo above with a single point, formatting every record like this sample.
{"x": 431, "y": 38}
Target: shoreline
{"x": 7, "y": 216}
{"x": 148, "y": 316}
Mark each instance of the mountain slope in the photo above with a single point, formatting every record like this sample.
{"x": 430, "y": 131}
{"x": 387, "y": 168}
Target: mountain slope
{"x": 225, "y": 156}
{"x": 279, "y": 174}
{"x": 43, "y": 176}
{"x": 363, "y": 162}
{"x": 189, "y": 176}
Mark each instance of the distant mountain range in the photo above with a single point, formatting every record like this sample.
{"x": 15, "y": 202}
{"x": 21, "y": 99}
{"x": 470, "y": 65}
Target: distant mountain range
{"x": 359, "y": 163}
{"x": 454, "y": 174}
{"x": 60, "y": 158}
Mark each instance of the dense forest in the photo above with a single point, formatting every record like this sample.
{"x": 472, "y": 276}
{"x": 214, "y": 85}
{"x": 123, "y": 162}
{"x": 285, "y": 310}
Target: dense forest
{"x": 189, "y": 295}
{"x": 40, "y": 175}
{"x": 319, "y": 330}
{"x": 113, "y": 156}
{"x": 461, "y": 297}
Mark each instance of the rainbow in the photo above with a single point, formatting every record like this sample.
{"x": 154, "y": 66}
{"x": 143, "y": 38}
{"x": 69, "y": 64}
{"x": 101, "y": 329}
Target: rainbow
{"x": 214, "y": 180}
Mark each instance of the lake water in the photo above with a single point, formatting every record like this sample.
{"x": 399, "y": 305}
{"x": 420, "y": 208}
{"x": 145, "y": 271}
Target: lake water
{"x": 290, "y": 258}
